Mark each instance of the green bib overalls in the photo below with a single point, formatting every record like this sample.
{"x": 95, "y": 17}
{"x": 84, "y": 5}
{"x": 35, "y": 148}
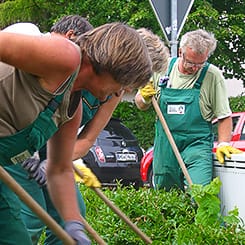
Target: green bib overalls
{"x": 192, "y": 135}
{"x": 90, "y": 106}
{"x": 33, "y": 223}
{"x": 15, "y": 149}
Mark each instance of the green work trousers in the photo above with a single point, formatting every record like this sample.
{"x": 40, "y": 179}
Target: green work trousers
{"x": 193, "y": 138}
{"x": 13, "y": 230}
{"x": 33, "y": 224}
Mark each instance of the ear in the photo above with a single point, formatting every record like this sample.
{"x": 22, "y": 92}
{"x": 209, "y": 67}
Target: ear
{"x": 69, "y": 34}
{"x": 85, "y": 63}
{"x": 85, "y": 59}
{"x": 180, "y": 52}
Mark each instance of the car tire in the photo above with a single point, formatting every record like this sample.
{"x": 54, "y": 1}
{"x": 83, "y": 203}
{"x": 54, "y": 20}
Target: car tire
{"x": 150, "y": 178}
{"x": 138, "y": 184}
{"x": 135, "y": 183}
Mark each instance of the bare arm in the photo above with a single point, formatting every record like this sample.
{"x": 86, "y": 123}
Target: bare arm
{"x": 60, "y": 172}
{"x": 43, "y": 56}
{"x": 224, "y": 129}
{"x": 94, "y": 127}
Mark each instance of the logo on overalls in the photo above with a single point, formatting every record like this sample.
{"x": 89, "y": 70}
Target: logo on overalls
{"x": 21, "y": 157}
{"x": 176, "y": 109}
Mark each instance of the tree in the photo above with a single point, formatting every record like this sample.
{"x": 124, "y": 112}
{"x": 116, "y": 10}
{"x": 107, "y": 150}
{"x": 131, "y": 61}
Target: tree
{"x": 225, "y": 18}
{"x": 38, "y": 12}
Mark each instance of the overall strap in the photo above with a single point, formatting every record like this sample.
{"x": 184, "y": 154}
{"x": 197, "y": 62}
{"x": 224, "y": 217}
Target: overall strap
{"x": 55, "y": 102}
{"x": 171, "y": 64}
{"x": 201, "y": 77}
{"x": 164, "y": 80}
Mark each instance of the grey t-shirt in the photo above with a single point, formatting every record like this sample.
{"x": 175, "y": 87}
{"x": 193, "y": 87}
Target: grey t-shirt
{"x": 22, "y": 96}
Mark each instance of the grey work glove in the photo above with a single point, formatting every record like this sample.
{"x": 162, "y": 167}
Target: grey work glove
{"x": 76, "y": 230}
{"x": 36, "y": 169}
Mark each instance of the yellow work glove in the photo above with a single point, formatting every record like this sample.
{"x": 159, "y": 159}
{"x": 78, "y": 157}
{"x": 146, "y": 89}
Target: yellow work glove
{"x": 147, "y": 92}
{"x": 89, "y": 179}
{"x": 225, "y": 150}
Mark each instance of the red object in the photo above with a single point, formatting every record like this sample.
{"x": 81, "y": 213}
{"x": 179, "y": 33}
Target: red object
{"x": 237, "y": 141}
{"x": 100, "y": 154}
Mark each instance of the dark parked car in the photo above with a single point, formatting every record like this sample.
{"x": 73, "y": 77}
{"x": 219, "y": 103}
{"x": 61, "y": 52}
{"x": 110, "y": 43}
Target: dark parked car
{"x": 237, "y": 141}
{"x": 116, "y": 155}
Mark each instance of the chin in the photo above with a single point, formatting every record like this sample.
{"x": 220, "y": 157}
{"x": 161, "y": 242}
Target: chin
{"x": 191, "y": 72}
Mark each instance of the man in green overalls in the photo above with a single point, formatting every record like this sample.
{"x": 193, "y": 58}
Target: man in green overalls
{"x": 41, "y": 79}
{"x": 191, "y": 95}
{"x": 70, "y": 27}
{"x": 93, "y": 110}
{"x": 96, "y": 114}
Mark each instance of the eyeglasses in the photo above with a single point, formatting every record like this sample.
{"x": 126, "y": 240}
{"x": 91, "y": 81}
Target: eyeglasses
{"x": 191, "y": 64}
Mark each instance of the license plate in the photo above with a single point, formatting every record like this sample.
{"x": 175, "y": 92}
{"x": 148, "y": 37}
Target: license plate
{"x": 124, "y": 157}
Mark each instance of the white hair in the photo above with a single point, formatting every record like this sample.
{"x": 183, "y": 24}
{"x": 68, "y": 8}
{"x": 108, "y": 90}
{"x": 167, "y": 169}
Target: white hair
{"x": 200, "y": 41}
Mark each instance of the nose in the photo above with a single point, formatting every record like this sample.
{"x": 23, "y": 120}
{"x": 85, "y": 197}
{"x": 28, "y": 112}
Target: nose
{"x": 195, "y": 68}
{"x": 119, "y": 93}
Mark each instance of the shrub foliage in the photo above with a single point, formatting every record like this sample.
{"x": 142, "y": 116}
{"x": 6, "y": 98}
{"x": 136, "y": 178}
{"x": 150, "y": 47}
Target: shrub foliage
{"x": 165, "y": 217}
{"x": 142, "y": 122}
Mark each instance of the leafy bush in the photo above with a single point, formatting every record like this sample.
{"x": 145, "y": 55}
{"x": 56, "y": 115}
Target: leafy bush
{"x": 165, "y": 217}
{"x": 238, "y": 103}
{"x": 142, "y": 122}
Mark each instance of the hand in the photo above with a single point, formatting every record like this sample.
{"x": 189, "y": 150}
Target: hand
{"x": 89, "y": 179}
{"x": 225, "y": 150}
{"x": 36, "y": 169}
{"x": 147, "y": 93}
{"x": 76, "y": 230}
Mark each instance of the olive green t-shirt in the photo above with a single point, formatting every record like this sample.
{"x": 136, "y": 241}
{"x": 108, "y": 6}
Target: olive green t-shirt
{"x": 23, "y": 98}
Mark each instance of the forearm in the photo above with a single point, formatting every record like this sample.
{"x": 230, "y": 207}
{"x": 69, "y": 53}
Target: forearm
{"x": 225, "y": 130}
{"x": 61, "y": 188}
{"x": 82, "y": 147}
{"x": 60, "y": 176}
{"x": 92, "y": 129}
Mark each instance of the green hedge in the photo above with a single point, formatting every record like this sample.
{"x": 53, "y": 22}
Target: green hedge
{"x": 237, "y": 103}
{"x": 142, "y": 122}
{"x": 165, "y": 217}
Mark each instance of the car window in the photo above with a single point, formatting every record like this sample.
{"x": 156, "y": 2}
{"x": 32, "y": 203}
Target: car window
{"x": 114, "y": 133}
{"x": 107, "y": 138}
{"x": 116, "y": 128}
{"x": 234, "y": 123}
{"x": 243, "y": 132}
{"x": 215, "y": 131}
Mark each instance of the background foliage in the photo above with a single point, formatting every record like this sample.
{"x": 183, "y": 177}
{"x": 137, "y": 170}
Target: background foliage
{"x": 142, "y": 122}
{"x": 225, "y": 18}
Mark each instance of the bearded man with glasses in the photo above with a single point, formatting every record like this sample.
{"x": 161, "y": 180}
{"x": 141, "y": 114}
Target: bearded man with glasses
{"x": 198, "y": 88}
